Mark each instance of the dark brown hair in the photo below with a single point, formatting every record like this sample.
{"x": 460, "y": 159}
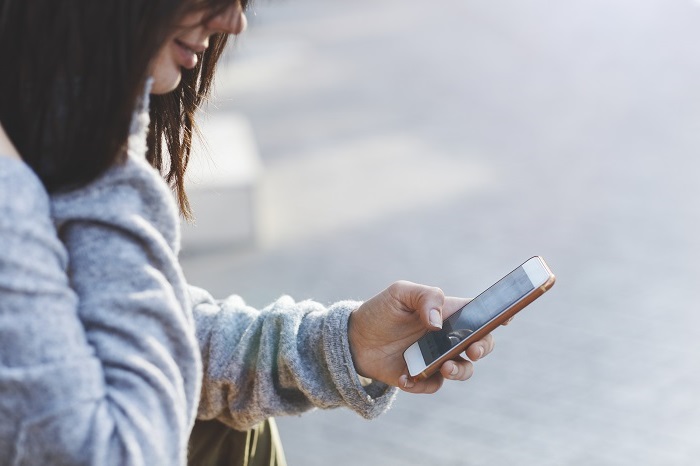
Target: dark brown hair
{"x": 173, "y": 124}
{"x": 81, "y": 68}
{"x": 78, "y": 68}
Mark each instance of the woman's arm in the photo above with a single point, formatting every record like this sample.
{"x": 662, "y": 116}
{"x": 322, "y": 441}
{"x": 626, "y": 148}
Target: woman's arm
{"x": 120, "y": 233}
{"x": 86, "y": 382}
{"x": 291, "y": 356}
{"x": 285, "y": 359}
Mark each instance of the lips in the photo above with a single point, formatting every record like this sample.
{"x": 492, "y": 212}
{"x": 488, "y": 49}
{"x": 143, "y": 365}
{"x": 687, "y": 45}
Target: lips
{"x": 187, "y": 53}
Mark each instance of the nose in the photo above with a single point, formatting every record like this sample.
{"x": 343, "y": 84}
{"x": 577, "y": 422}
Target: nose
{"x": 230, "y": 21}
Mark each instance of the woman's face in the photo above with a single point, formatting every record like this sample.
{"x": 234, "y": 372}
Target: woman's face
{"x": 190, "y": 39}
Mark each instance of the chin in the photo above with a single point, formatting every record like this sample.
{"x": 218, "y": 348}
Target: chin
{"x": 163, "y": 85}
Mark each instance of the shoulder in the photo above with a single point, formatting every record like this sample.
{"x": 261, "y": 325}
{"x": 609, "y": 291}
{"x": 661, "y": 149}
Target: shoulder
{"x": 27, "y": 231}
{"x": 131, "y": 195}
{"x": 21, "y": 191}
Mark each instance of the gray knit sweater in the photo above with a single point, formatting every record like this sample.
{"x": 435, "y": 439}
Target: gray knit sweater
{"x": 107, "y": 355}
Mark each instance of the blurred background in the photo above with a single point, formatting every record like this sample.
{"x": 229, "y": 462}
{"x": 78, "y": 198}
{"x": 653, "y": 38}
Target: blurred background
{"x": 446, "y": 142}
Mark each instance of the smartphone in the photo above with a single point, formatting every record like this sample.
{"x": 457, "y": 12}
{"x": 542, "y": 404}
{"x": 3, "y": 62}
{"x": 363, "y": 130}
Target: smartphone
{"x": 479, "y": 317}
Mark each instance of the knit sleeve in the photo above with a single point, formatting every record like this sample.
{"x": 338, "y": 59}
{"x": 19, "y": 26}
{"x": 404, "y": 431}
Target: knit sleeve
{"x": 90, "y": 342}
{"x": 285, "y": 359}
{"x": 121, "y": 235}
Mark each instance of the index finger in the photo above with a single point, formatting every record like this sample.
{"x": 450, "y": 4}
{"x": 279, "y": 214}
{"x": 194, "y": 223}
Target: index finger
{"x": 452, "y": 305}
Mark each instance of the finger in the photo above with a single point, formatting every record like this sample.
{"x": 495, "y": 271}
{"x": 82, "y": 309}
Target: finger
{"x": 426, "y": 300}
{"x": 481, "y": 348}
{"x": 457, "y": 369}
{"x": 453, "y": 305}
{"x": 427, "y": 386}
{"x": 508, "y": 321}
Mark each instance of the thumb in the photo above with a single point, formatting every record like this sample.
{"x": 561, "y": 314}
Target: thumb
{"x": 426, "y": 300}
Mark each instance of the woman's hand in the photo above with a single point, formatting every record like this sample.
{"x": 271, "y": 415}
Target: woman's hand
{"x": 385, "y": 326}
{"x": 6, "y": 146}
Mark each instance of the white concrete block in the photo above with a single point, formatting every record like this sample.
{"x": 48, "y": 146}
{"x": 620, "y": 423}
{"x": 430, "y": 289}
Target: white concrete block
{"x": 222, "y": 177}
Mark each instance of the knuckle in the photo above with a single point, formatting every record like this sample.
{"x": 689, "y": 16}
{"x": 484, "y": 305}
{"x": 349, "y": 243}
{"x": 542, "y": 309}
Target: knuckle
{"x": 395, "y": 290}
{"x": 398, "y": 287}
{"x": 432, "y": 294}
{"x": 394, "y": 287}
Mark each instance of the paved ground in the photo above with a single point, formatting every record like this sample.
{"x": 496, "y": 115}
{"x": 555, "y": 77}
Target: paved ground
{"x": 444, "y": 142}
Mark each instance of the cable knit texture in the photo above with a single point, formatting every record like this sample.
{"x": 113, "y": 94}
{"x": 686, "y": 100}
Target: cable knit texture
{"x": 105, "y": 349}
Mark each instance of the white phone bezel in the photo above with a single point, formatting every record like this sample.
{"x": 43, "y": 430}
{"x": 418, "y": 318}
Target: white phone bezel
{"x": 414, "y": 360}
{"x": 538, "y": 273}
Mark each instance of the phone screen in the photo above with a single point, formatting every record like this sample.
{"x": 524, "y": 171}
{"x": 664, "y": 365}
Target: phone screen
{"x": 477, "y": 313}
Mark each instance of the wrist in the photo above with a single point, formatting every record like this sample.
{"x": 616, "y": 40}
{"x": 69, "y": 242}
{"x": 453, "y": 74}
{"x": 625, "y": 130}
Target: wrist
{"x": 357, "y": 346}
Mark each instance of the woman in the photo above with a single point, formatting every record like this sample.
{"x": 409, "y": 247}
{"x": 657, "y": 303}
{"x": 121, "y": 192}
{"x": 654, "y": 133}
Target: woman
{"x": 107, "y": 356}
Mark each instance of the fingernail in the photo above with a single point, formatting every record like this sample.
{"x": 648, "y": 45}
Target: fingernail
{"x": 406, "y": 382}
{"x": 454, "y": 370}
{"x": 435, "y": 318}
{"x": 481, "y": 352}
